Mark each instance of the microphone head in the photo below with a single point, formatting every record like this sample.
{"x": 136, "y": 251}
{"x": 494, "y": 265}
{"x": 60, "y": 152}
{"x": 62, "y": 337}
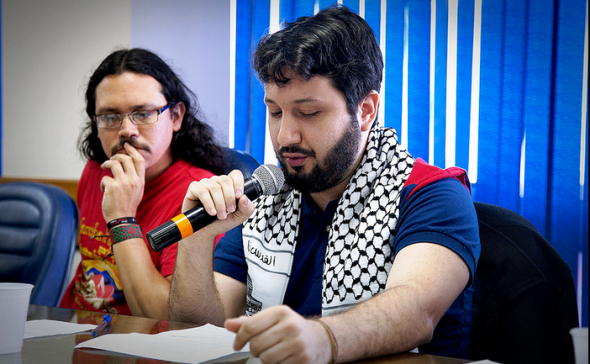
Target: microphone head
{"x": 270, "y": 177}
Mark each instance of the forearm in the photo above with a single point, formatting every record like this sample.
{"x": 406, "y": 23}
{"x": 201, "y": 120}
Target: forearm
{"x": 391, "y": 322}
{"x": 146, "y": 290}
{"x": 193, "y": 295}
{"x": 406, "y": 313}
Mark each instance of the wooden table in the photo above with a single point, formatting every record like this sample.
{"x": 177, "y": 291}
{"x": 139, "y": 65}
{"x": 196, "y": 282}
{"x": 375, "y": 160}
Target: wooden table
{"x": 60, "y": 349}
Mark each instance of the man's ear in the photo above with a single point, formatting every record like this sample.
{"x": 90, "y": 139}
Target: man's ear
{"x": 177, "y": 115}
{"x": 368, "y": 110}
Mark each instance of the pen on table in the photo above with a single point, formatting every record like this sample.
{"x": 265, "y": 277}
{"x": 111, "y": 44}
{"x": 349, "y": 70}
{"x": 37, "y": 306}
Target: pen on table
{"x": 103, "y": 326}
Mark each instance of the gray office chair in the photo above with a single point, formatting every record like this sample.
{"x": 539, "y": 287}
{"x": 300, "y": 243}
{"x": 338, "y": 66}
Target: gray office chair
{"x": 38, "y": 233}
{"x": 524, "y": 293}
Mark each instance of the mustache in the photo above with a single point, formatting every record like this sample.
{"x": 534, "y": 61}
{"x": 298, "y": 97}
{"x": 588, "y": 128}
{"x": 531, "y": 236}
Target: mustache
{"x": 131, "y": 141}
{"x": 295, "y": 149}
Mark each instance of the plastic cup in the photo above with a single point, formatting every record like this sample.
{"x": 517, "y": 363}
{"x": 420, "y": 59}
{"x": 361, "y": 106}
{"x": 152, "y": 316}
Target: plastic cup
{"x": 580, "y": 337}
{"x": 14, "y": 305}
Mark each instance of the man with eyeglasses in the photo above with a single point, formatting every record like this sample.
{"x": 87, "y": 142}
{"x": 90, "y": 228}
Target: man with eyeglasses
{"x": 145, "y": 144}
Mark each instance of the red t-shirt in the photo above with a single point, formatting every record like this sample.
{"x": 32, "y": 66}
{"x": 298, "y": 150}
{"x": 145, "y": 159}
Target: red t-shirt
{"x": 96, "y": 285}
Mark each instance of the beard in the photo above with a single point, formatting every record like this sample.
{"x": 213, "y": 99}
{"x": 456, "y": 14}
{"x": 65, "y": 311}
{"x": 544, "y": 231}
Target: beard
{"x": 329, "y": 172}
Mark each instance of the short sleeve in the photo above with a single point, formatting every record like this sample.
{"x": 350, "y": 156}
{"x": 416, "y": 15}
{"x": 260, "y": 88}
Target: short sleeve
{"x": 167, "y": 260}
{"x": 440, "y": 213}
{"x": 228, "y": 257}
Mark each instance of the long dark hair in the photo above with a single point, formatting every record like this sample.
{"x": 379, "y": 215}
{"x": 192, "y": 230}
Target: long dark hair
{"x": 194, "y": 142}
{"x": 335, "y": 43}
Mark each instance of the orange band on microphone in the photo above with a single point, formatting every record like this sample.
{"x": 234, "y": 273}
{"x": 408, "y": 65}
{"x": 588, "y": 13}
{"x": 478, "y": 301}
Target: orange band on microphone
{"x": 185, "y": 227}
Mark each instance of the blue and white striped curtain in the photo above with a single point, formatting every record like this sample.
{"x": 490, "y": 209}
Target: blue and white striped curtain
{"x": 497, "y": 87}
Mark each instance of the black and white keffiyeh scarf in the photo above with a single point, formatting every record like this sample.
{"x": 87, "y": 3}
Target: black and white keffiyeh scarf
{"x": 359, "y": 252}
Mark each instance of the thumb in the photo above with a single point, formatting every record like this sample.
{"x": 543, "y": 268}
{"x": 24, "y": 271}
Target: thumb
{"x": 234, "y": 324}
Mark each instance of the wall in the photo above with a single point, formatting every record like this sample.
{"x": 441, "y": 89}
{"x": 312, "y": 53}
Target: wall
{"x": 51, "y": 47}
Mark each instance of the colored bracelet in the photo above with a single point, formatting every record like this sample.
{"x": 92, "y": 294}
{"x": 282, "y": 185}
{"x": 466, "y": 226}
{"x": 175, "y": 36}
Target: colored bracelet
{"x": 124, "y": 232}
{"x": 332, "y": 340}
{"x": 123, "y": 220}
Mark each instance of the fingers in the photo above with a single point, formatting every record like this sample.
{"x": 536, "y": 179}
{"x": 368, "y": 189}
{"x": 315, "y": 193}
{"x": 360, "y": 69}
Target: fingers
{"x": 234, "y": 324}
{"x": 124, "y": 190}
{"x": 217, "y": 194}
{"x": 276, "y": 335}
{"x": 137, "y": 158}
{"x": 247, "y": 328}
{"x": 131, "y": 164}
{"x": 238, "y": 179}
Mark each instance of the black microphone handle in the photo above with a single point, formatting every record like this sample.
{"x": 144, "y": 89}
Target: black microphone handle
{"x": 169, "y": 233}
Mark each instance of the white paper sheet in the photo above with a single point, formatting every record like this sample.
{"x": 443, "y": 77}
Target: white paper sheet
{"x": 196, "y": 345}
{"x": 40, "y": 328}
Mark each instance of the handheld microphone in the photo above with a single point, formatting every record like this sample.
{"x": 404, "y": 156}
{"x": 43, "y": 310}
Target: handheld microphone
{"x": 267, "y": 179}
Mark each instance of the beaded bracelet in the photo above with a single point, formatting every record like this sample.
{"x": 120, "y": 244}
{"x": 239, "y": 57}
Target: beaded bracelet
{"x": 123, "y": 220}
{"x": 122, "y": 232}
{"x": 332, "y": 340}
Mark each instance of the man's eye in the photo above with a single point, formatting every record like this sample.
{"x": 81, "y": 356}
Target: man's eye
{"x": 309, "y": 115}
{"x": 142, "y": 115}
{"x": 109, "y": 119}
{"x": 275, "y": 114}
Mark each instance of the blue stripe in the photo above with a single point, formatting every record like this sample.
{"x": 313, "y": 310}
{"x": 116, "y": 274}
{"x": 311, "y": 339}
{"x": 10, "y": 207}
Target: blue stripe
{"x": 490, "y": 92}
{"x": 373, "y": 17}
{"x": 511, "y": 121}
{"x": 536, "y": 112}
{"x": 464, "y": 70}
{"x": 419, "y": 78}
{"x": 303, "y": 7}
{"x": 564, "y": 184}
{"x": 352, "y": 5}
{"x": 394, "y": 50}
{"x": 440, "y": 82}
{"x": 243, "y": 75}
{"x": 261, "y": 22}
{"x": 325, "y": 3}
{"x": 286, "y": 11}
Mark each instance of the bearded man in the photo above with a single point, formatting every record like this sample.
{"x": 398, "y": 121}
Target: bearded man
{"x": 381, "y": 246}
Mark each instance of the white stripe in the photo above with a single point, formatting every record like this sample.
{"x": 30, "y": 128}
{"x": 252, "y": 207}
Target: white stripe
{"x": 451, "y": 106}
{"x": 382, "y": 30}
{"x": 269, "y": 153}
{"x": 432, "y": 76}
{"x": 522, "y": 164}
{"x": 274, "y": 25}
{"x": 232, "y": 73}
{"x": 361, "y": 8}
{"x": 316, "y": 7}
{"x": 584, "y": 110}
{"x": 475, "y": 68}
{"x": 583, "y": 159}
{"x": 404, "y": 131}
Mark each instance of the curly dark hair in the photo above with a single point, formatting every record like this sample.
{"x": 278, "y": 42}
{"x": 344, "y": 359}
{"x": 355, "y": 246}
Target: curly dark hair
{"x": 335, "y": 43}
{"x": 194, "y": 142}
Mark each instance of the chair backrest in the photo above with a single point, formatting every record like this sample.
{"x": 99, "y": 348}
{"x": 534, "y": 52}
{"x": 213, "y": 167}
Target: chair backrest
{"x": 236, "y": 159}
{"x": 38, "y": 233}
{"x": 524, "y": 293}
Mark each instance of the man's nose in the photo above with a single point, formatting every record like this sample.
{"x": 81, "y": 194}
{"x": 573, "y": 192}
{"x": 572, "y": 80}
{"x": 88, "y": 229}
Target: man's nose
{"x": 128, "y": 128}
{"x": 289, "y": 133}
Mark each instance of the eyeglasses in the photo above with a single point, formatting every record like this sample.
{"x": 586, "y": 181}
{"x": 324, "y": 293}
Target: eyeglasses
{"x": 140, "y": 117}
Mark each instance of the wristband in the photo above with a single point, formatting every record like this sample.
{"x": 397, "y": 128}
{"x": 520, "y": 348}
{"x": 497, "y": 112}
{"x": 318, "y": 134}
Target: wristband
{"x": 332, "y": 340}
{"x": 124, "y": 232}
{"x": 123, "y": 220}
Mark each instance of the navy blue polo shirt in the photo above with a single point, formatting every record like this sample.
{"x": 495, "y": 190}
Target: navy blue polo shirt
{"x": 441, "y": 213}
